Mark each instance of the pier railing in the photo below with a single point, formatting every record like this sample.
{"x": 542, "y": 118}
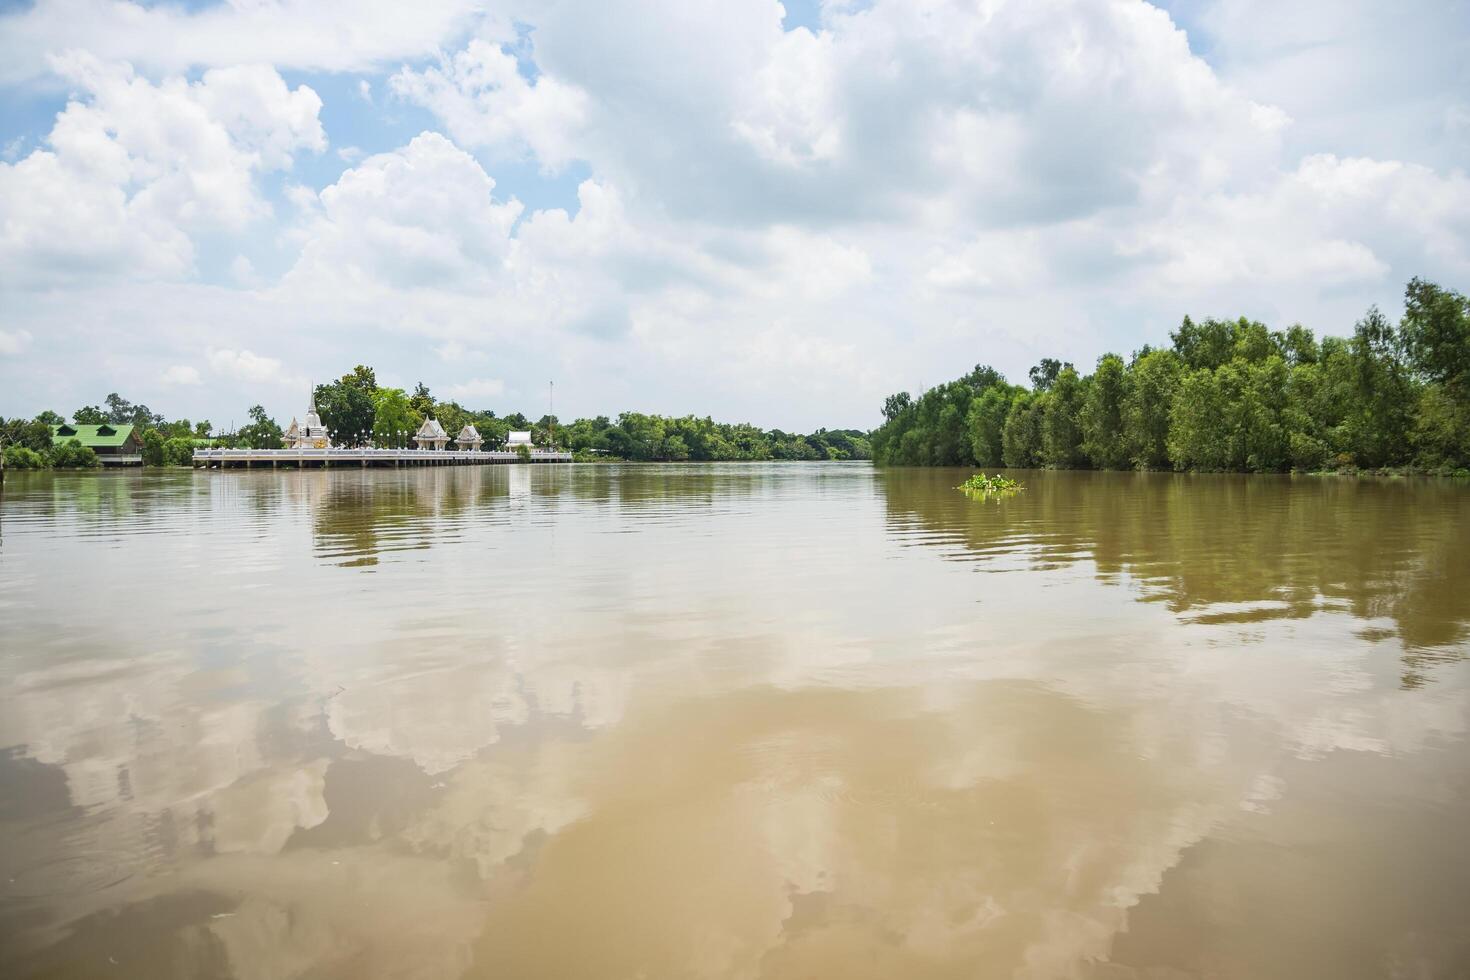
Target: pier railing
{"x": 221, "y": 458}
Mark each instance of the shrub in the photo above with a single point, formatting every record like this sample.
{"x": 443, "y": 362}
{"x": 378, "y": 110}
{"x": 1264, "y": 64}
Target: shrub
{"x": 74, "y": 456}
{"x": 523, "y": 454}
{"x": 179, "y": 451}
{"x": 23, "y": 458}
{"x": 153, "y": 448}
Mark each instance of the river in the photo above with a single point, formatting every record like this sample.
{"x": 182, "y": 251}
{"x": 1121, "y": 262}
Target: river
{"x": 733, "y": 721}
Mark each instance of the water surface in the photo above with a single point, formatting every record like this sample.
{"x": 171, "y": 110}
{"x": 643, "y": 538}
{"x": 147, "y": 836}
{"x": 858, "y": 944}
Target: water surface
{"x": 732, "y": 721}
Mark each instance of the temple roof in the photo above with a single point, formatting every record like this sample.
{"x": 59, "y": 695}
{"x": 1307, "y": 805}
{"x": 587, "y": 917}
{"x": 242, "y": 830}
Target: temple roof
{"x": 431, "y": 429}
{"x": 468, "y": 434}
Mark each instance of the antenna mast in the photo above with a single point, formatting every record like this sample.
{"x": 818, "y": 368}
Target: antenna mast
{"x": 551, "y": 412}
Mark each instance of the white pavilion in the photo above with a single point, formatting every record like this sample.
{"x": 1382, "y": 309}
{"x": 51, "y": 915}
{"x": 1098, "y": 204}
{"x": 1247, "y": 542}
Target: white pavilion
{"x": 469, "y": 439}
{"x": 515, "y": 440}
{"x": 308, "y": 435}
{"x": 431, "y": 435}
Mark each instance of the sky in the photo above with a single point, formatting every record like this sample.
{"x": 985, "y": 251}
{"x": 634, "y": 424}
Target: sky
{"x": 764, "y": 213}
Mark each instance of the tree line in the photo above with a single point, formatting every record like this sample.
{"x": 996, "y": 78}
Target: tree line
{"x": 1225, "y": 395}
{"x": 357, "y": 411}
{"x": 28, "y": 443}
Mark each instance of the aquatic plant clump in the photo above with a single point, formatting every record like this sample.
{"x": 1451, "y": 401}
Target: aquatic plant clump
{"x": 989, "y": 485}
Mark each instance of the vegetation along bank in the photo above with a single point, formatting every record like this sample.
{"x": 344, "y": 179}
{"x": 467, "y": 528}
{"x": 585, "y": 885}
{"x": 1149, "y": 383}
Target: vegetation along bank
{"x": 1225, "y": 395}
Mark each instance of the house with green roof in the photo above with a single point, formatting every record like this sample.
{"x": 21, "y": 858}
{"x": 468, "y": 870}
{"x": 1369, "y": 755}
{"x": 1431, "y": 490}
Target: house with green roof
{"x": 118, "y": 445}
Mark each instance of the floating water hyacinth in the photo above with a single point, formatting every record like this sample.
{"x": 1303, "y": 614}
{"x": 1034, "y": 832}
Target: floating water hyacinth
{"x": 990, "y": 485}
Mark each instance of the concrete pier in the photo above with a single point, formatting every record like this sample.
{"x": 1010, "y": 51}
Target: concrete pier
{"x": 303, "y": 458}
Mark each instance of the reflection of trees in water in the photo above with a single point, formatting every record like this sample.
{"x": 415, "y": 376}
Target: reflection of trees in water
{"x": 1226, "y": 548}
{"x": 637, "y": 486}
{"x": 356, "y": 516}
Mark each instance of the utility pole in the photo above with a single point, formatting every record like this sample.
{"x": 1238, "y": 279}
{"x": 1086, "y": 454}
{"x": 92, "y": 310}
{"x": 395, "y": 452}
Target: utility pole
{"x": 551, "y": 412}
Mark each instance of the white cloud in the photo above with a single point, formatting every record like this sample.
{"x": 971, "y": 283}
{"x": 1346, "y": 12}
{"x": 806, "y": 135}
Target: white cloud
{"x": 242, "y": 270}
{"x": 455, "y": 352}
{"x": 133, "y": 169}
{"x": 182, "y": 374}
{"x": 325, "y": 35}
{"x": 13, "y": 342}
{"x": 421, "y": 216}
{"x": 485, "y": 101}
{"x": 244, "y": 365}
{"x": 476, "y": 389}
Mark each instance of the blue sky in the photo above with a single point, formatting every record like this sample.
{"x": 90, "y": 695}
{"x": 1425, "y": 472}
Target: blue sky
{"x": 778, "y": 214}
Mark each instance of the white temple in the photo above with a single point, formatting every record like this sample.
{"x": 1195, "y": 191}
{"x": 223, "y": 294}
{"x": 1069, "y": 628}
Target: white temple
{"x": 469, "y": 439}
{"x": 309, "y": 435}
{"x": 431, "y": 435}
{"x": 517, "y": 439}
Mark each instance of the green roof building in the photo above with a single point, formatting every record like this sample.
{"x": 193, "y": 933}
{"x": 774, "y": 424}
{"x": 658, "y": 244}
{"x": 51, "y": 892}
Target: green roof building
{"x": 117, "y": 444}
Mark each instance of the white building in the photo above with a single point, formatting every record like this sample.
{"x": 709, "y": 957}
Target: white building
{"x": 431, "y": 435}
{"x": 469, "y": 439}
{"x": 308, "y": 435}
{"x": 517, "y": 439}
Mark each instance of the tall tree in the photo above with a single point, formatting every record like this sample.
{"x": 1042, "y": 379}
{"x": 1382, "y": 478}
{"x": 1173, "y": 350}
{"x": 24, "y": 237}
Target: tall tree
{"x": 1146, "y": 406}
{"x": 1061, "y": 429}
{"x": 1381, "y": 421}
{"x": 1104, "y": 436}
{"x": 362, "y": 378}
{"x": 987, "y": 422}
{"x": 1436, "y": 335}
{"x": 261, "y": 433}
{"x": 347, "y": 412}
{"x": 394, "y": 420}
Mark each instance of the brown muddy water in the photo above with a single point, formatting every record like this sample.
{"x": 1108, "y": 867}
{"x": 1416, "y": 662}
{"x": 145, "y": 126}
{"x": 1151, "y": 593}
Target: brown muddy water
{"x": 733, "y": 721}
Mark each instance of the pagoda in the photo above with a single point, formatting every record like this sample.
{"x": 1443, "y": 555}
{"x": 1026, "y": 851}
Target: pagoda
{"x": 310, "y": 434}
{"x": 431, "y": 435}
{"x": 469, "y": 439}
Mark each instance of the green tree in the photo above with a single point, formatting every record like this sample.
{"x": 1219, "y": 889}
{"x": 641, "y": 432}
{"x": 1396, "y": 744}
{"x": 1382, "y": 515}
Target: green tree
{"x": 1262, "y": 414}
{"x": 1208, "y": 344}
{"x": 987, "y": 422}
{"x": 1380, "y": 422}
{"x": 1436, "y": 335}
{"x": 261, "y": 433}
{"x": 89, "y": 415}
{"x": 1299, "y": 346}
{"x": 394, "y": 420}
{"x": 421, "y": 400}
{"x": 34, "y": 435}
{"x": 896, "y": 405}
{"x": 1147, "y": 402}
{"x": 23, "y": 458}
{"x": 1045, "y": 374}
{"x": 1442, "y": 430}
{"x": 49, "y": 417}
{"x": 1061, "y": 427}
{"x": 346, "y": 411}
{"x": 153, "y": 448}
{"x": 363, "y": 378}
{"x": 1021, "y": 437}
{"x": 179, "y": 451}
{"x": 1199, "y": 429}
{"x": 72, "y": 455}
{"x": 1104, "y": 436}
